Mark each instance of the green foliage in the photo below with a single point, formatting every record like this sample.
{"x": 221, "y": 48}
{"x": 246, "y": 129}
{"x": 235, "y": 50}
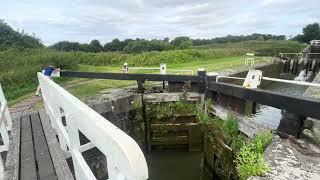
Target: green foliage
{"x": 18, "y": 68}
{"x": 137, "y": 106}
{"x": 231, "y": 126}
{"x": 233, "y": 39}
{"x": 178, "y": 41}
{"x": 170, "y": 109}
{"x": 238, "y": 142}
{"x": 10, "y": 38}
{"x": 145, "y": 46}
{"x": 250, "y": 163}
{"x": 262, "y": 140}
{"x": 202, "y": 118}
{"x": 262, "y": 48}
{"x": 249, "y": 160}
{"x": 310, "y": 32}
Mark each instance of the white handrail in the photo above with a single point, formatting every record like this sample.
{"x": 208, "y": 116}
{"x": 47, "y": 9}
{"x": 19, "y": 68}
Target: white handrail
{"x": 5, "y": 126}
{"x": 303, "y": 83}
{"x": 315, "y": 42}
{"x": 125, "y": 159}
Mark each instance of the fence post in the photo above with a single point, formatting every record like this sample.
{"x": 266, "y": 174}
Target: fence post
{"x": 202, "y": 85}
{"x": 163, "y": 70}
{"x": 125, "y": 68}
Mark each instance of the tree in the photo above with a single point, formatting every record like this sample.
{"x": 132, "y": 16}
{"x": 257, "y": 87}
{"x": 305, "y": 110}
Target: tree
{"x": 10, "y": 38}
{"x": 67, "y": 46}
{"x": 185, "y": 45}
{"x": 95, "y": 46}
{"x": 178, "y": 40}
{"x": 310, "y": 32}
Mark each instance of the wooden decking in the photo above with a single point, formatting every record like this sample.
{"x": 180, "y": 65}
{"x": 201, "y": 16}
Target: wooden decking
{"x": 34, "y": 151}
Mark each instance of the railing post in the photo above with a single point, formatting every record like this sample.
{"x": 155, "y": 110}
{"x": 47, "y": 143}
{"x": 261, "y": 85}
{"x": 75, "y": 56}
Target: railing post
{"x": 125, "y": 68}
{"x": 290, "y": 124}
{"x": 202, "y": 86}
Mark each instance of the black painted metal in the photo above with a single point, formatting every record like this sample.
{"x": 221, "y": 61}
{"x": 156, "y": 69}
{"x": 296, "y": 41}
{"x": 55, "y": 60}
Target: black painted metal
{"x": 138, "y": 77}
{"x": 299, "y": 105}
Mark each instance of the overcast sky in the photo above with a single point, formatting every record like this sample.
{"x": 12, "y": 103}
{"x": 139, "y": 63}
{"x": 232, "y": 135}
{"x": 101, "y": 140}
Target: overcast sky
{"x": 84, "y": 20}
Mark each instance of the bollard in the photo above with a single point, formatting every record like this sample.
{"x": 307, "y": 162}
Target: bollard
{"x": 125, "y": 68}
{"x": 202, "y": 77}
{"x": 163, "y": 70}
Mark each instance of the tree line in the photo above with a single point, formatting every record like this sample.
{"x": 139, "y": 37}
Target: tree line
{"x": 10, "y": 38}
{"x": 142, "y": 45}
{"x": 310, "y": 32}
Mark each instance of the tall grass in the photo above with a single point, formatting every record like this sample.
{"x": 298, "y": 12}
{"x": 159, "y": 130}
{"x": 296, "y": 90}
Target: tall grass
{"x": 18, "y": 68}
{"x": 263, "y": 48}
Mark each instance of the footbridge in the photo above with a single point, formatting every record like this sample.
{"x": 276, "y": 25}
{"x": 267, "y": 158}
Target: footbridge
{"x": 36, "y": 145}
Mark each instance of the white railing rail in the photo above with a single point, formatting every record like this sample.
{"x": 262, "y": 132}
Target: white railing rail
{"x": 5, "y": 126}
{"x": 125, "y": 159}
{"x": 315, "y": 42}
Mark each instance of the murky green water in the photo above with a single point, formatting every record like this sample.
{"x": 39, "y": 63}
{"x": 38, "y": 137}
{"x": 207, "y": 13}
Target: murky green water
{"x": 174, "y": 165}
{"x": 271, "y": 116}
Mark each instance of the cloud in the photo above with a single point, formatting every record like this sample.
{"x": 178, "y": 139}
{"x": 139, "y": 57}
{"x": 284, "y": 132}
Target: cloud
{"x": 83, "y": 20}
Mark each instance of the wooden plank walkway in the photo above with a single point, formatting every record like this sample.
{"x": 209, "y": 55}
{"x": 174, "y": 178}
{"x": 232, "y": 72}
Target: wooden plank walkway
{"x": 34, "y": 151}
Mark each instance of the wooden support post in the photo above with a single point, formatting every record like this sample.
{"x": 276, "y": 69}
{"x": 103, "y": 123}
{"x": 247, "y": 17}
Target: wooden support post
{"x": 144, "y": 116}
{"x": 290, "y": 124}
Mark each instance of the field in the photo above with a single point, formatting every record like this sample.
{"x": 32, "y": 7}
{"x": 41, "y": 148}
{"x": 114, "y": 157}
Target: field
{"x": 19, "y": 66}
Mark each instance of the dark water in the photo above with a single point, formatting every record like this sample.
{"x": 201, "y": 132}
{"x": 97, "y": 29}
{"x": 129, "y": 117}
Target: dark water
{"x": 170, "y": 165}
{"x": 271, "y": 116}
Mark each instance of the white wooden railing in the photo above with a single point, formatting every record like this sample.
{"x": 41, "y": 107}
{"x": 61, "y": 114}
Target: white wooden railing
{"x": 5, "y": 126}
{"x": 315, "y": 42}
{"x": 125, "y": 159}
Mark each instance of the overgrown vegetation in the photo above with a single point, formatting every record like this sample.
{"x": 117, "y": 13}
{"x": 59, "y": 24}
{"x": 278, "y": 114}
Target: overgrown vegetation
{"x": 10, "y": 38}
{"x": 18, "y": 68}
{"x": 249, "y": 159}
{"x": 248, "y": 152}
{"x": 170, "y": 110}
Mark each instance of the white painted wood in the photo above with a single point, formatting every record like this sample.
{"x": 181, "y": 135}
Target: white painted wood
{"x": 125, "y": 158}
{"x": 315, "y": 42}
{"x": 5, "y": 126}
{"x": 253, "y": 79}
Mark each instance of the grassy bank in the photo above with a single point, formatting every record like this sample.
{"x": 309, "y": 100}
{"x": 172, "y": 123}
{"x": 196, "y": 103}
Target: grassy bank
{"x": 265, "y": 48}
{"x": 90, "y": 88}
{"x": 18, "y": 67}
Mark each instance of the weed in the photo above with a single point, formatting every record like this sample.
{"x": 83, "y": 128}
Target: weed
{"x": 237, "y": 143}
{"x": 231, "y": 126}
{"x": 249, "y": 160}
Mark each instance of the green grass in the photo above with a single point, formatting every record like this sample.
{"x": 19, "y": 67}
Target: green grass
{"x": 265, "y": 48}
{"x": 85, "y": 88}
{"x": 90, "y": 88}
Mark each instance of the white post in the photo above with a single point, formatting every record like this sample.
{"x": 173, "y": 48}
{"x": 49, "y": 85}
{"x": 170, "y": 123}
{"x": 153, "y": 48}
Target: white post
{"x": 125, "y": 68}
{"x": 163, "y": 68}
